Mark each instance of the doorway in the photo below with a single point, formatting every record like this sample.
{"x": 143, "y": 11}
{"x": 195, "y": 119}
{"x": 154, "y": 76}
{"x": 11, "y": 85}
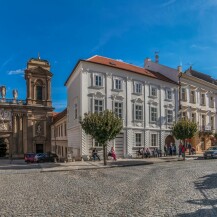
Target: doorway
{"x": 39, "y": 148}
{"x": 169, "y": 139}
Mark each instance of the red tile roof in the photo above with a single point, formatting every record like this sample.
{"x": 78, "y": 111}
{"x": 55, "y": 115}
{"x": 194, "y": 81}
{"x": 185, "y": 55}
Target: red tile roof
{"x": 129, "y": 67}
{"x": 59, "y": 116}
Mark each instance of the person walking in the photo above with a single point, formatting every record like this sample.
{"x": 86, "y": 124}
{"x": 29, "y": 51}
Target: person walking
{"x": 95, "y": 154}
{"x": 189, "y": 148}
{"x": 183, "y": 152}
{"x": 165, "y": 150}
{"x": 174, "y": 149}
{"x": 180, "y": 149}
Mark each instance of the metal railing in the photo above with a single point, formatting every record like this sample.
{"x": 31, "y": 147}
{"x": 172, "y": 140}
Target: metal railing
{"x": 13, "y": 101}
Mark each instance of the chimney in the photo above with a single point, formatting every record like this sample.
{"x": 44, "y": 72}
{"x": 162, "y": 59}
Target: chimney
{"x": 179, "y": 68}
{"x": 146, "y": 61}
{"x": 156, "y": 57}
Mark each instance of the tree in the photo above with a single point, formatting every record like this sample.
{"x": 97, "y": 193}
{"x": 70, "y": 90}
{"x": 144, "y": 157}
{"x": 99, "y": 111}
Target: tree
{"x": 3, "y": 147}
{"x": 103, "y": 127}
{"x": 184, "y": 129}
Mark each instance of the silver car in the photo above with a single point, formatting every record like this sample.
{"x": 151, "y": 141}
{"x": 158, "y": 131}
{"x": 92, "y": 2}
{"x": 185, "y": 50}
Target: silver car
{"x": 210, "y": 152}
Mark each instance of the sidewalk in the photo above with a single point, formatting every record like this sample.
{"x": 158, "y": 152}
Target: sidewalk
{"x": 19, "y": 166}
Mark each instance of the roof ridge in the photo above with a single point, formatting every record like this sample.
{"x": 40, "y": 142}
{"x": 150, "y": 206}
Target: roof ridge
{"x": 118, "y": 61}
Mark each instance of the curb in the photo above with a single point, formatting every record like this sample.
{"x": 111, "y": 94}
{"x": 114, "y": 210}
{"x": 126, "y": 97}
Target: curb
{"x": 113, "y": 166}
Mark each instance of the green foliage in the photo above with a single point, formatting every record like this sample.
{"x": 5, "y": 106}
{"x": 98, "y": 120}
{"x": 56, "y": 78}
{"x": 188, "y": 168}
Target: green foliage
{"x": 184, "y": 129}
{"x": 103, "y": 127}
{"x": 3, "y": 147}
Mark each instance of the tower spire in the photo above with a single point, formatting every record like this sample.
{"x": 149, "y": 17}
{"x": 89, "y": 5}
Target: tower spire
{"x": 39, "y": 56}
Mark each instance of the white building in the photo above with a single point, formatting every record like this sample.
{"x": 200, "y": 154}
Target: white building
{"x": 147, "y": 101}
{"x": 197, "y": 100}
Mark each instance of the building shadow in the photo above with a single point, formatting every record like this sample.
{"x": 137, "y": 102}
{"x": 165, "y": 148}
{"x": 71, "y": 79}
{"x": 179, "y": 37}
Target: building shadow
{"x": 204, "y": 183}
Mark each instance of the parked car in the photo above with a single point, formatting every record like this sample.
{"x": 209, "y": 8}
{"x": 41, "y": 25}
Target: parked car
{"x": 46, "y": 157}
{"x": 29, "y": 157}
{"x": 39, "y": 157}
{"x": 210, "y": 152}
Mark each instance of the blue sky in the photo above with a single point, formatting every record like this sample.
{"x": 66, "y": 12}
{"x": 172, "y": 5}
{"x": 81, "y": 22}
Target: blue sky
{"x": 64, "y": 31}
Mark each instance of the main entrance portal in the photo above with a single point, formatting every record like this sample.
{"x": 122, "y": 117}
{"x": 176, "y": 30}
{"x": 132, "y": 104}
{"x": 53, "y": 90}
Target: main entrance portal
{"x": 39, "y": 148}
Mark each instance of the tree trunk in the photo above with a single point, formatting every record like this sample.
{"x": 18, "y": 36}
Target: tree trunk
{"x": 104, "y": 155}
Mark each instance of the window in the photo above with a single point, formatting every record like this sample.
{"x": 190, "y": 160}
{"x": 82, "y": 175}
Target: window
{"x": 169, "y": 116}
{"x": 98, "y": 80}
{"x": 168, "y": 94}
{"x": 65, "y": 128}
{"x": 153, "y": 114}
{"x": 75, "y": 111}
{"x": 192, "y": 97}
{"x": 98, "y": 106}
{"x": 211, "y": 102}
{"x": 38, "y": 92}
{"x": 96, "y": 144}
{"x": 203, "y": 117}
{"x": 153, "y": 91}
{"x": 203, "y": 99}
{"x": 119, "y": 109}
{"x": 138, "y": 137}
{"x": 138, "y": 88}
{"x": 193, "y": 117}
{"x": 184, "y": 115}
{"x": 118, "y": 84}
{"x": 153, "y": 139}
{"x": 212, "y": 122}
{"x": 183, "y": 93}
{"x": 138, "y": 112}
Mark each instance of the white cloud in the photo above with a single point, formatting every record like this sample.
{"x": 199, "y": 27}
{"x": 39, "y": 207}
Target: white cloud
{"x": 16, "y": 72}
{"x": 167, "y": 3}
{"x": 200, "y": 47}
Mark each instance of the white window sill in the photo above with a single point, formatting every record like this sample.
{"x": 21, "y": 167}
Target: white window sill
{"x": 96, "y": 87}
{"x": 138, "y": 94}
{"x": 154, "y": 97}
{"x": 117, "y": 90}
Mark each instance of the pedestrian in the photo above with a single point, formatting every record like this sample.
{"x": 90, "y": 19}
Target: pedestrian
{"x": 170, "y": 149}
{"x": 148, "y": 153}
{"x": 165, "y": 150}
{"x": 174, "y": 149}
{"x": 189, "y": 148}
{"x": 183, "y": 152}
{"x": 95, "y": 154}
{"x": 180, "y": 149}
{"x": 113, "y": 154}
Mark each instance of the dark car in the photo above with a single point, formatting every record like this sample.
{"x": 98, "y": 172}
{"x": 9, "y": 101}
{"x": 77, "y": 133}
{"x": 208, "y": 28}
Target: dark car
{"x": 46, "y": 157}
{"x": 29, "y": 157}
{"x": 210, "y": 152}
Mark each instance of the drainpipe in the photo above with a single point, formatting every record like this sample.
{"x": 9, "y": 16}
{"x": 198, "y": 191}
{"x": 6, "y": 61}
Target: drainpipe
{"x": 179, "y": 83}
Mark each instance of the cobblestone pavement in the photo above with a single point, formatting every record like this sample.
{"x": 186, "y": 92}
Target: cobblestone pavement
{"x": 182, "y": 189}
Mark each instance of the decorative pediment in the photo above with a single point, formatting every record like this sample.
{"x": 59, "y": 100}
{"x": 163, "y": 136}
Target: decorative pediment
{"x": 39, "y": 70}
{"x": 97, "y": 95}
{"x": 169, "y": 106}
{"x": 152, "y": 102}
{"x": 117, "y": 97}
{"x": 137, "y": 100}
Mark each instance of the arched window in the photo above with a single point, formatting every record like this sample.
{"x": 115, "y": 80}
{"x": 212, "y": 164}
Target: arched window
{"x": 39, "y": 90}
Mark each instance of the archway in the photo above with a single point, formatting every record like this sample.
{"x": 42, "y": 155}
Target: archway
{"x": 169, "y": 139}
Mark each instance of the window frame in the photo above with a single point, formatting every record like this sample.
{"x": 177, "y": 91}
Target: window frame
{"x": 138, "y": 144}
{"x": 156, "y": 140}
{"x": 136, "y": 89}
{"x": 171, "y": 116}
{"x": 155, "y": 112}
{"x": 118, "y": 84}
{"x": 167, "y": 94}
{"x": 136, "y": 113}
{"x": 98, "y": 82}
{"x": 118, "y": 113}
{"x": 99, "y": 106}
{"x": 151, "y": 91}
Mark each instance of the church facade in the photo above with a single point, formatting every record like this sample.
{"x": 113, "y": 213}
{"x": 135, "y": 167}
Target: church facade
{"x": 25, "y": 124}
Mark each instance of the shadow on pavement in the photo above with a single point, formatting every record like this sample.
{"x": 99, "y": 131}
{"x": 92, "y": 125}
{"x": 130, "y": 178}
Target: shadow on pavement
{"x": 129, "y": 163}
{"x": 28, "y": 166}
{"x": 204, "y": 183}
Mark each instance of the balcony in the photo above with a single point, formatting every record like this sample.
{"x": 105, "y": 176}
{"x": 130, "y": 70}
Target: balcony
{"x": 12, "y": 102}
